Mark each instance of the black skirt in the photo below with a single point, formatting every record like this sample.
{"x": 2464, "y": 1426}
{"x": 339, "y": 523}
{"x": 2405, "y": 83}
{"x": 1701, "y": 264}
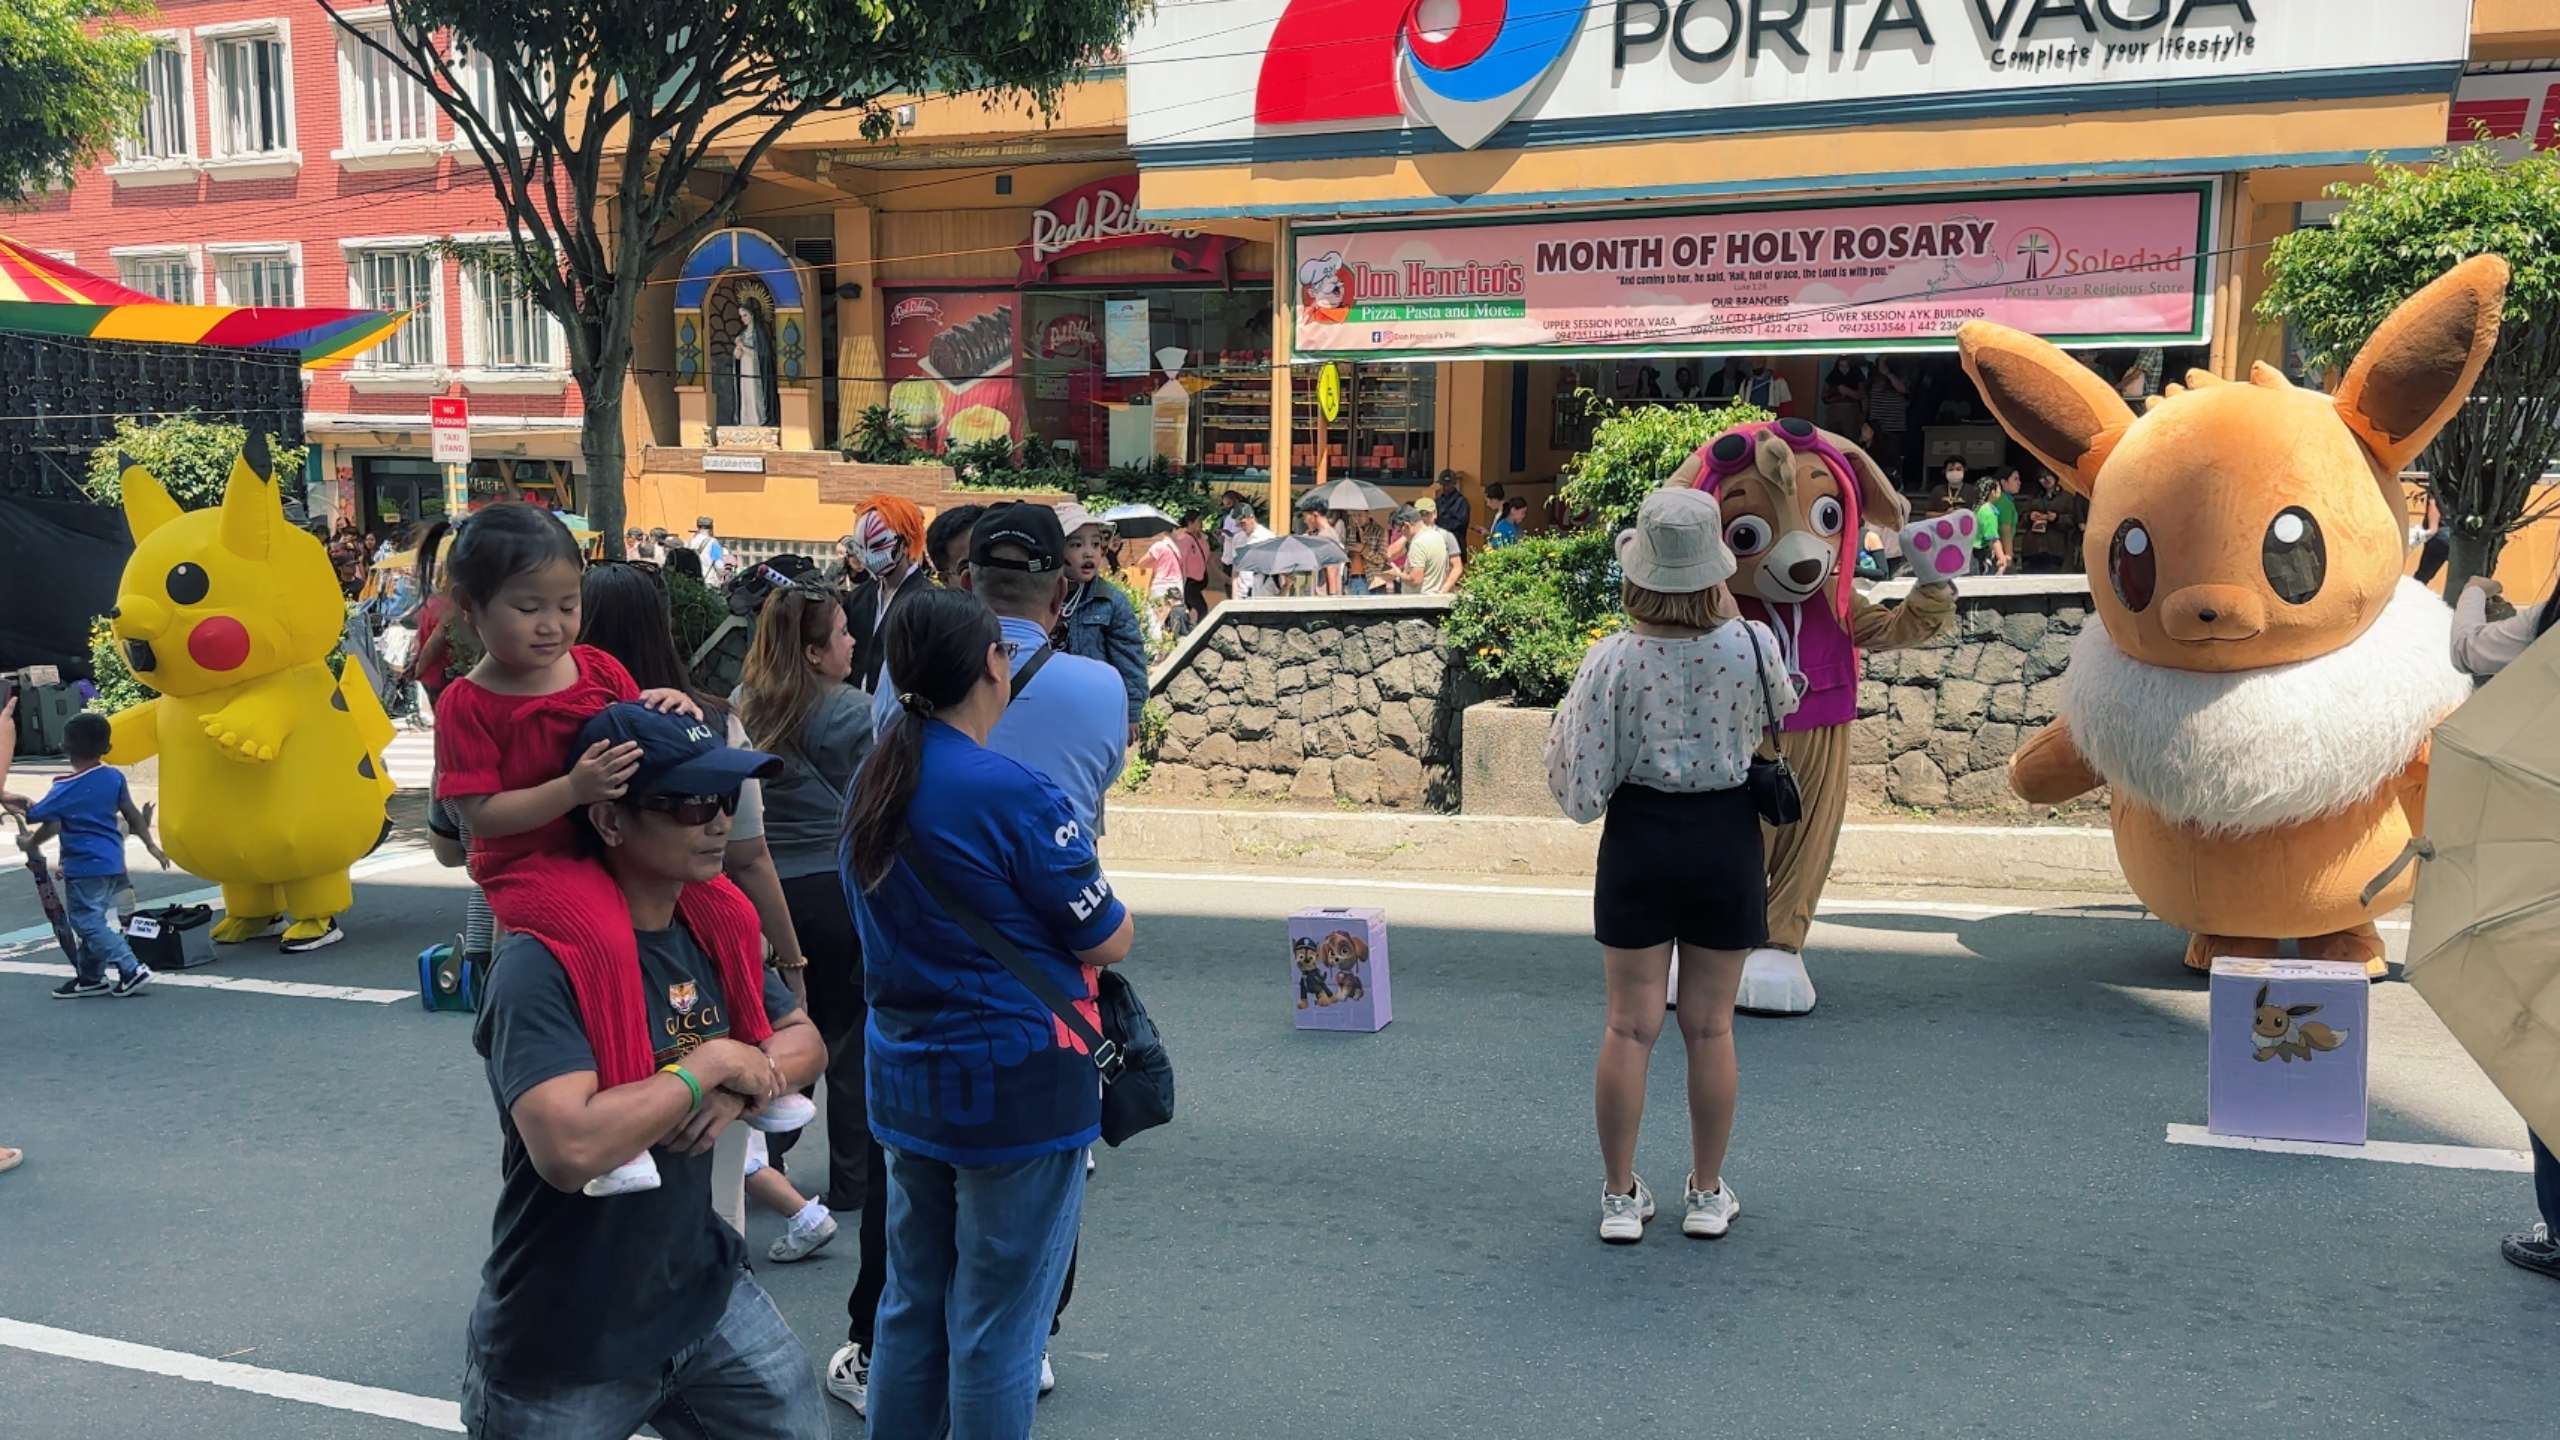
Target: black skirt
{"x": 1681, "y": 867}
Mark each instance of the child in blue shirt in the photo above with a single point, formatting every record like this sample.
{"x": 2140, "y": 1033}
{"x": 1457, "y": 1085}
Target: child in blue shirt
{"x": 84, "y": 808}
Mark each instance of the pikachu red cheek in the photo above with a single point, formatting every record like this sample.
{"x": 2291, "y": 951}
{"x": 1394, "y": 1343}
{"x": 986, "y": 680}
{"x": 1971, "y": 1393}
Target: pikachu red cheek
{"x": 220, "y": 643}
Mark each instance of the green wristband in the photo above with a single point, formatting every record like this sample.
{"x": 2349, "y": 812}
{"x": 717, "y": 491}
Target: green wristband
{"x": 689, "y": 1084}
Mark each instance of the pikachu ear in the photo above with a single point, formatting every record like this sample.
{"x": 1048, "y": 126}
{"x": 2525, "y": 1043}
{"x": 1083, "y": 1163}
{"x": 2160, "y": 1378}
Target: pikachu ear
{"x": 147, "y": 505}
{"x": 250, "y": 507}
{"x": 2057, "y": 407}
{"x": 2412, "y": 376}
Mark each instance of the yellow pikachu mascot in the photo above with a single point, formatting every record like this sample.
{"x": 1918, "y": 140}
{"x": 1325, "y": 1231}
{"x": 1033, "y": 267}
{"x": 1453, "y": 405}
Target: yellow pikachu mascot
{"x": 272, "y": 781}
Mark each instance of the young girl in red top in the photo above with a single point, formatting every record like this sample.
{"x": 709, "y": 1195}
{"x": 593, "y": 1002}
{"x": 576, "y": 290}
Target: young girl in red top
{"x": 504, "y": 736}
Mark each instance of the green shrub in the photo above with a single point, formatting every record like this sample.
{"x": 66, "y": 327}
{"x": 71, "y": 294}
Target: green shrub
{"x": 1633, "y": 450}
{"x": 1529, "y": 610}
{"x": 117, "y": 689}
{"x": 1152, "y": 722}
{"x": 878, "y": 439}
{"x": 1154, "y": 481}
{"x": 695, "y": 611}
{"x": 190, "y": 456}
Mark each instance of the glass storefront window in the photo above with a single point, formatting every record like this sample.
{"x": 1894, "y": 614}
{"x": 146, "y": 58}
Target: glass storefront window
{"x": 1385, "y": 433}
{"x": 1071, "y": 401}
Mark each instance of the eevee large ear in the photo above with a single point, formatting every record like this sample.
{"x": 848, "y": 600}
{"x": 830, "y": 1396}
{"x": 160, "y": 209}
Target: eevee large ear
{"x": 2057, "y": 407}
{"x": 2299, "y": 1010}
{"x": 250, "y": 507}
{"x": 2261, "y": 1001}
{"x": 1879, "y": 503}
{"x": 2412, "y": 376}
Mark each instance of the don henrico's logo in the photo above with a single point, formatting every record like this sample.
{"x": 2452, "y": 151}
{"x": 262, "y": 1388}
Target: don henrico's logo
{"x": 1463, "y": 67}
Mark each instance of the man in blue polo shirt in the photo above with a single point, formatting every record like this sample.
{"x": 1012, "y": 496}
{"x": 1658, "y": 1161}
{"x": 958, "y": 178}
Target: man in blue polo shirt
{"x": 1070, "y": 719}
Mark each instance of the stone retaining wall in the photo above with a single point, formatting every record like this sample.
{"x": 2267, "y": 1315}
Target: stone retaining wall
{"x": 1936, "y": 725}
{"x": 1314, "y": 700}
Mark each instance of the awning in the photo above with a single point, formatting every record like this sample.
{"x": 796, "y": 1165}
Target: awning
{"x": 44, "y": 296}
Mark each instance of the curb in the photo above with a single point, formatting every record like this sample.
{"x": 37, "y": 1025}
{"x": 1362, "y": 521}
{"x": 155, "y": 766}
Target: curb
{"x": 2063, "y": 859}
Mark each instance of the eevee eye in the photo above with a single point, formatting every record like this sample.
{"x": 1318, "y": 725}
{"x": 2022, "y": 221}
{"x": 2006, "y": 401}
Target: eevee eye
{"x": 2295, "y": 557}
{"x": 2132, "y": 567}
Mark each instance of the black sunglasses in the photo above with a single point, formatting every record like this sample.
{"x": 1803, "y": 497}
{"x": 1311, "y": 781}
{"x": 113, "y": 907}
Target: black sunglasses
{"x": 688, "y": 809}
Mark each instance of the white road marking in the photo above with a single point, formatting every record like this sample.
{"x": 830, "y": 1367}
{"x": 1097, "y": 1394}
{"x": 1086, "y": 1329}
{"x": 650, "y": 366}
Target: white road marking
{"x": 1970, "y": 910}
{"x": 236, "y": 984}
{"x": 418, "y": 1410}
{"x": 388, "y": 858}
{"x": 2386, "y": 1152}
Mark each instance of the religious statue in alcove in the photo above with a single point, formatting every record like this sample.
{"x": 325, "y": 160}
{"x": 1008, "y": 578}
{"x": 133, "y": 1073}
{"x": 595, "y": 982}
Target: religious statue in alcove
{"x": 743, "y": 380}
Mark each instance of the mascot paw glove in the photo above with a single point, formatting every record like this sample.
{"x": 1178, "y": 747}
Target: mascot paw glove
{"x": 1939, "y": 549}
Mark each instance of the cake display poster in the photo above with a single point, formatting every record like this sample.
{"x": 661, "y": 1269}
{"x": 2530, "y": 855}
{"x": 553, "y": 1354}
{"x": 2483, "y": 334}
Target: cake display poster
{"x": 2094, "y": 265}
{"x": 951, "y": 366}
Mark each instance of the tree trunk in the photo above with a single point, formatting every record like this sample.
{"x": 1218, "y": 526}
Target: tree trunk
{"x": 2467, "y": 556}
{"x": 600, "y": 439}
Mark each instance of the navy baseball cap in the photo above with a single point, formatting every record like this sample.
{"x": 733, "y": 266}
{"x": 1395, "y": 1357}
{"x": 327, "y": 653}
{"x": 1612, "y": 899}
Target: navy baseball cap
{"x": 679, "y": 755}
{"x": 1019, "y": 522}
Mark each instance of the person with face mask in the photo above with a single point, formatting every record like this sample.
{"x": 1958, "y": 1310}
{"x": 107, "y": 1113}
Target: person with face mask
{"x": 889, "y": 544}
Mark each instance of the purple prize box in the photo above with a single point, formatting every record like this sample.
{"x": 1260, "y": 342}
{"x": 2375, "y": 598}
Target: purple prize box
{"x": 2287, "y": 1055}
{"x": 1338, "y": 969}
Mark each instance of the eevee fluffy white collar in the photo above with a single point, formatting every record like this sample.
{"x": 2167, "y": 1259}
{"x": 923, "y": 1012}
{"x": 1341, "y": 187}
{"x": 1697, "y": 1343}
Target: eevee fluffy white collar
{"x": 2259, "y": 749}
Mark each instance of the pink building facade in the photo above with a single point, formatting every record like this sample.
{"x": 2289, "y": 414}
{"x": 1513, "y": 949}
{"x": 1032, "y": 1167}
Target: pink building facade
{"x": 280, "y": 162}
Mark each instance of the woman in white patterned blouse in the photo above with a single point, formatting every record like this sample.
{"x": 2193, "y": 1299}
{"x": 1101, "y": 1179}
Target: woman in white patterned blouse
{"x": 1658, "y": 734}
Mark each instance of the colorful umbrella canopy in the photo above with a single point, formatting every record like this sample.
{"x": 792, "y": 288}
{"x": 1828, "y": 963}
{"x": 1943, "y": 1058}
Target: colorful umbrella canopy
{"x": 44, "y": 296}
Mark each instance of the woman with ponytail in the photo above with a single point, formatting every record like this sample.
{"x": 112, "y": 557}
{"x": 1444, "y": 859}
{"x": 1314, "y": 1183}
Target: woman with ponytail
{"x": 983, "y": 1102}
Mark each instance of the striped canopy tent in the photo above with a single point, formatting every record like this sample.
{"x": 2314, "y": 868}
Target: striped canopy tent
{"x": 44, "y": 296}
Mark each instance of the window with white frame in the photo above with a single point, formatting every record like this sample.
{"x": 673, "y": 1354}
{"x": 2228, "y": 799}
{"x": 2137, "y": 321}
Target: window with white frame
{"x": 384, "y": 106}
{"x": 254, "y": 277}
{"x": 398, "y": 278}
{"x": 162, "y": 132}
{"x": 507, "y": 329}
{"x": 252, "y": 99}
{"x": 168, "y": 274}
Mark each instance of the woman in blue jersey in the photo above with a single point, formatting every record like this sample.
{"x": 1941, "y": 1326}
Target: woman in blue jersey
{"x": 982, "y": 1099}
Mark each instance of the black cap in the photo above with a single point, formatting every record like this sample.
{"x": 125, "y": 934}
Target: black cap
{"x": 1019, "y": 522}
{"x": 679, "y": 755}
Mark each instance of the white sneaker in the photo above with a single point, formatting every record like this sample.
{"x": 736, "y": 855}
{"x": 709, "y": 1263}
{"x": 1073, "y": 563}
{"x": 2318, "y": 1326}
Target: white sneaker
{"x": 1048, "y": 1377}
{"x": 1710, "y": 1213}
{"x": 782, "y": 1114}
{"x": 849, "y": 1378}
{"x": 628, "y": 1178}
{"x": 798, "y": 1242}
{"x": 1622, "y": 1217}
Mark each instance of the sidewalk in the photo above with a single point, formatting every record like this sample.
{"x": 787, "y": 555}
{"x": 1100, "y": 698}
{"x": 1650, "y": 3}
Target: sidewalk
{"x": 2079, "y": 860}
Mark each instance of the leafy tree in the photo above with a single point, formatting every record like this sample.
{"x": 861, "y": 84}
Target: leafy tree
{"x": 68, "y": 89}
{"x": 619, "y": 132}
{"x": 1530, "y": 608}
{"x": 188, "y": 454}
{"x": 1634, "y": 449}
{"x": 2405, "y": 227}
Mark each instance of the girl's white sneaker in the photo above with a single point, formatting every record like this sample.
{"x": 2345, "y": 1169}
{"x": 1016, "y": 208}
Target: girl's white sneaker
{"x": 628, "y": 1178}
{"x": 782, "y": 1114}
{"x": 1710, "y": 1212}
{"x": 1622, "y": 1217}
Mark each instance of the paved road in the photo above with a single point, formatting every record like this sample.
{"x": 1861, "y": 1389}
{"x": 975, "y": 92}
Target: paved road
{"x": 1961, "y": 1216}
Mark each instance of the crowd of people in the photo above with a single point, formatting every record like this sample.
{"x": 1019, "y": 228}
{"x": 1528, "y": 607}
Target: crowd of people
{"x": 707, "y": 904}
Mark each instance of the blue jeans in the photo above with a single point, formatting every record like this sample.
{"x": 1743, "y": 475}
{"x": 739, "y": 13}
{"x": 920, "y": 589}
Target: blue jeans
{"x": 1356, "y": 585}
{"x": 976, "y": 1256}
{"x": 749, "y": 1379}
{"x": 2546, "y": 1184}
{"x": 89, "y": 898}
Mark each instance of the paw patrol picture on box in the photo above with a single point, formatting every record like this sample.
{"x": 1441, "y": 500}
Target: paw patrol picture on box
{"x": 1338, "y": 969}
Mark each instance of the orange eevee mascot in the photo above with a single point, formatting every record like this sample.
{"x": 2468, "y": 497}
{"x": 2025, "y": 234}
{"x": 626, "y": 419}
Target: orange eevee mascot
{"x": 2259, "y": 696}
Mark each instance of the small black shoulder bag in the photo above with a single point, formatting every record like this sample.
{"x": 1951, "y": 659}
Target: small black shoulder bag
{"x": 1772, "y": 781}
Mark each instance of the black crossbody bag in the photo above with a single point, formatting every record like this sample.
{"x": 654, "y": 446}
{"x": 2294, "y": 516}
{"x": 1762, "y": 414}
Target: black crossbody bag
{"x": 1771, "y": 780}
{"x": 1137, "y": 1074}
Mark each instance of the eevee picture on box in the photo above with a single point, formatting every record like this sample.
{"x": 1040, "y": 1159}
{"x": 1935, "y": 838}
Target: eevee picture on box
{"x": 2258, "y": 697}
